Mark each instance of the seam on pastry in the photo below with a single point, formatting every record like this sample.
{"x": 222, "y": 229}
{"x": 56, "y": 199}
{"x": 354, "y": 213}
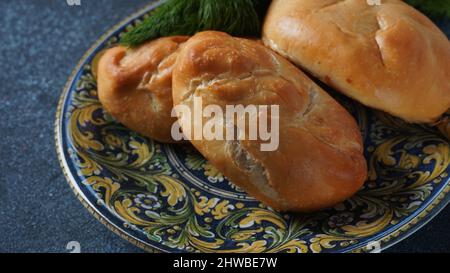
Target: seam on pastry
{"x": 311, "y": 95}
{"x": 381, "y": 27}
{"x": 202, "y": 82}
{"x": 346, "y": 153}
{"x": 380, "y": 51}
{"x": 154, "y": 102}
{"x": 256, "y": 171}
{"x": 158, "y": 70}
{"x": 346, "y": 32}
{"x": 311, "y": 103}
{"x": 193, "y": 85}
{"x": 148, "y": 75}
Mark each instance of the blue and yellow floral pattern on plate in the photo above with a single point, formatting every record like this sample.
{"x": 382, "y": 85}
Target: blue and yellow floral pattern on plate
{"x": 169, "y": 198}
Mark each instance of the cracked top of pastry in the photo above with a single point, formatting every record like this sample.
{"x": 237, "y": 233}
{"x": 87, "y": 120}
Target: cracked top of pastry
{"x": 388, "y": 56}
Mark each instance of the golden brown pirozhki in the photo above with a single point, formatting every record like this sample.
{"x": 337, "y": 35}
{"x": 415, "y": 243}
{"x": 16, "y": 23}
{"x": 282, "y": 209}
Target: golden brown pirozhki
{"x": 320, "y": 159}
{"x": 135, "y": 86}
{"x": 389, "y": 56}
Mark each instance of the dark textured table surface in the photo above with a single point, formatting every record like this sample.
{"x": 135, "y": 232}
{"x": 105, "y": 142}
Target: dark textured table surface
{"x": 41, "y": 42}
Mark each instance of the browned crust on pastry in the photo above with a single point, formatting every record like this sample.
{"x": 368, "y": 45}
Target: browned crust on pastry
{"x": 320, "y": 159}
{"x": 135, "y": 86}
{"x": 389, "y": 57}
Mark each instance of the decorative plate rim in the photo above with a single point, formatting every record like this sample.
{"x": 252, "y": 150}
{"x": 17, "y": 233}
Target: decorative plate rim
{"x": 392, "y": 237}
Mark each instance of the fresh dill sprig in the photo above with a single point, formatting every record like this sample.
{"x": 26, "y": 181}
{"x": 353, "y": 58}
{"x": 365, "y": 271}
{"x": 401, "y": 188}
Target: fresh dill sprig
{"x": 186, "y": 17}
{"x": 432, "y": 8}
{"x": 174, "y": 17}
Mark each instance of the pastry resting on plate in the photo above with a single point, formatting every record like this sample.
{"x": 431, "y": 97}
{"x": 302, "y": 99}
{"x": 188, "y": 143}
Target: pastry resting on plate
{"x": 444, "y": 125}
{"x": 135, "y": 86}
{"x": 389, "y": 56}
{"x": 319, "y": 161}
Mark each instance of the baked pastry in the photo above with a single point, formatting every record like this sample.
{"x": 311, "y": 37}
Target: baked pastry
{"x": 135, "y": 86}
{"x": 319, "y": 161}
{"x": 389, "y": 56}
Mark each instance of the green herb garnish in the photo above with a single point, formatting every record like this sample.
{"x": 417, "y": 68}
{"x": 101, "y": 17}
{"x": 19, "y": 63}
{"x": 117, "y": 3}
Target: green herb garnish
{"x": 186, "y": 17}
{"x": 432, "y": 8}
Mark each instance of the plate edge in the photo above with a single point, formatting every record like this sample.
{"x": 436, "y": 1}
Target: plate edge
{"x": 58, "y": 134}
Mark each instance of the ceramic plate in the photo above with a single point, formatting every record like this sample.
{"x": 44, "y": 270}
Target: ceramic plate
{"x": 169, "y": 198}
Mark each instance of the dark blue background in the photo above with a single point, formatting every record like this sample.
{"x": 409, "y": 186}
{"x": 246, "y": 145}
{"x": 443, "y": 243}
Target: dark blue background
{"x": 41, "y": 42}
